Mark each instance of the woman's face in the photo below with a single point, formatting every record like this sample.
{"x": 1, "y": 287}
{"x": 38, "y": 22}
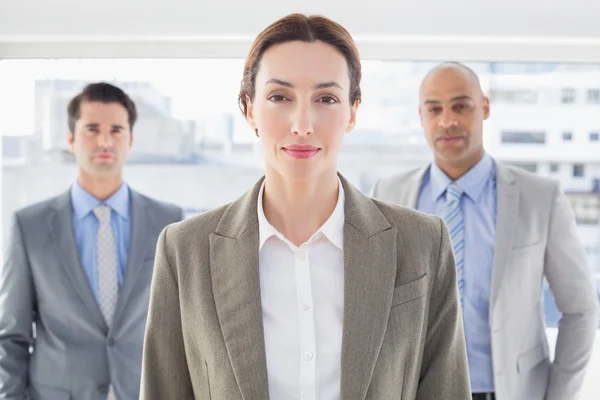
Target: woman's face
{"x": 301, "y": 109}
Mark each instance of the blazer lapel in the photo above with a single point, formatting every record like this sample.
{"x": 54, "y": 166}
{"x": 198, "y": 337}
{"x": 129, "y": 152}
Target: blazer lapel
{"x": 60, "y": 224}
{"x": 414, "y": 187}
{"x": 507, "y": 210}
{"x": 370, "y": 265}
{"x": 140, "y": 241}
{"x": 234, "y": 266}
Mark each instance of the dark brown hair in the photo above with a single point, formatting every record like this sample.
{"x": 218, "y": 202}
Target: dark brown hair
{"x": 299, "y": 27}
{"x": 105, "y": 93}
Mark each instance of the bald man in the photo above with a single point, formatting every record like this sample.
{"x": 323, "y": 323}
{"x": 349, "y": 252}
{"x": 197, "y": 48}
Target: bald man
{"x": 510, "y": 229}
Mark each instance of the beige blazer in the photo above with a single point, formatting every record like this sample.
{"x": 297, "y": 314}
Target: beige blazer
{"x": 536, "y": 238}
{"x": 402, "y": 334}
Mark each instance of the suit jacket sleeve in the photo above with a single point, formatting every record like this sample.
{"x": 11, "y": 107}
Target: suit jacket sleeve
{"x": 444, "y": 370}
{"x": 165, "y": 373}
{"x": 17, "y": 307}
{"x": 571, "y": 284}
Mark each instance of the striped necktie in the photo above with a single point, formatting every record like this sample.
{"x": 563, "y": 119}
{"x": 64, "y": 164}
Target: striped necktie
{"x": 453, "y": 216}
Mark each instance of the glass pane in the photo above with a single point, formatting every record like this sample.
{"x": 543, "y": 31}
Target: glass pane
{"x": 192, "y": 146}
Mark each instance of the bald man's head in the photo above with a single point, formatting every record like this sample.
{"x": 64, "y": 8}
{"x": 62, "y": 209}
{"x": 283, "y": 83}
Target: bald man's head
{"x": 452, "y": 108}
{"x": 467, "y": 73}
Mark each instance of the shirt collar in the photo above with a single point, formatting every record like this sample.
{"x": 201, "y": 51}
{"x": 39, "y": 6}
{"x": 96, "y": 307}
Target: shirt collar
{"x": 84, "y": 202}
{"x": 332, "y": 229}
{"x": 472, "y": 183}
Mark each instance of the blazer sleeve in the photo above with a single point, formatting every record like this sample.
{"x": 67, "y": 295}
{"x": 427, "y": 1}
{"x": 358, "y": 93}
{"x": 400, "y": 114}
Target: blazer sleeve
{"x": 17, "y": 308}
{"x": 570, "y": 281}
{"x": 444, "y": 371}
{"x": 165, "y": 373}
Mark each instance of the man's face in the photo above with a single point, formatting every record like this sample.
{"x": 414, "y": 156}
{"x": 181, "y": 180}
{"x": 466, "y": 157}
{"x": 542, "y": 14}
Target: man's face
{"x": 102, "y": 139}
{"x": 452, "y": 110}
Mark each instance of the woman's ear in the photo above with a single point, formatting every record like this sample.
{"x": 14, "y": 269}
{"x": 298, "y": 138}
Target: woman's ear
{"x": 250, "y": 114}
{"x": 352, "y": 121}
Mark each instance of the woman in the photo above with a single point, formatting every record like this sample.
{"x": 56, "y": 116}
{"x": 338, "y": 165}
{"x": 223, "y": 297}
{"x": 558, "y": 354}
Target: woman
{"x": 304, "y": 288}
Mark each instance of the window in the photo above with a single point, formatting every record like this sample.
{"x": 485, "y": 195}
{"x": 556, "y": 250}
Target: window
{"x": 521, "y": 68}
{"x": 593, "y": 96}
{"x": 193, "y": 147}
{"x": 524, "y": 137}
{"x": 568, "y": 96}
{"x": 567, "y": 136}
{"x": 591, "y": 250}
{"x": 531, "y": 167}
{"x": 586, "y": 208}
{"x": 513, "y": 96}
{"x": 594, "y": 136}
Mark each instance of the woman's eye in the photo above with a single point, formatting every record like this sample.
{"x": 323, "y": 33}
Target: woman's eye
{"x": 277, "y": 98}
{"x": 328, "y": 100}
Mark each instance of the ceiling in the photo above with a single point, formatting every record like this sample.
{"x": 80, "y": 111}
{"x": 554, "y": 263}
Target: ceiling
{"x": 35, "y": 23}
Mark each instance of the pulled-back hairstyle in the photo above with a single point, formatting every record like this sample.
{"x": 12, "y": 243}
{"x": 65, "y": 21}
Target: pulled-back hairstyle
{"x": 299, "y": 27}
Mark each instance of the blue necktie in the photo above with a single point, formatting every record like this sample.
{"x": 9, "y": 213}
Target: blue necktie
{"x": 453, "y": 216}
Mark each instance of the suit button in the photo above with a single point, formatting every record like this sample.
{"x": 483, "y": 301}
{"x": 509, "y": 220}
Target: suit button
{"x": 103, "y": 389}
{"x": 111, "y": 341}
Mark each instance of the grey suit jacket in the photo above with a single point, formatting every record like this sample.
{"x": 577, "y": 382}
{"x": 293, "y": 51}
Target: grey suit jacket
{"x": 402, "y": 332}
{"x": 536, "y": 238}
{"x": 75, "y": 355}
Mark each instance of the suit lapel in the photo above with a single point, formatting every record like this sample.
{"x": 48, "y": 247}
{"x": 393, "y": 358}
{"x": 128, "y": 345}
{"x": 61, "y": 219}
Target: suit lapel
{"x": 507, "y": 210}
{"x": 234, "y": 266}
{"x": 414, "y": 187}
{"x": 370, "y": 264}
{"x": 140, "y": 240}
{"x": 60, "y": 223}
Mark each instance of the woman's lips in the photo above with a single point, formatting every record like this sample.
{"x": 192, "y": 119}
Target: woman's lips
{"x": 301, "y": 151}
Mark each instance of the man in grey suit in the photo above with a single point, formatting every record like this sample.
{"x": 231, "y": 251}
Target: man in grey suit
{"x": 75, "y": 286}
{"x": 510, "y": 229}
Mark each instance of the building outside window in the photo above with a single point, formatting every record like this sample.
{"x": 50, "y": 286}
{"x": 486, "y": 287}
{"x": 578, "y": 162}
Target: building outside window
{"x": 531, "y": 167}
{"x": 568, "y": 96}
{"x": 567, "y": 136}
{"x": 513, "y": 96}
{"x": 586, "y": 207}
{"x": 593, "y": 96}
{"x": 521, "y": 137}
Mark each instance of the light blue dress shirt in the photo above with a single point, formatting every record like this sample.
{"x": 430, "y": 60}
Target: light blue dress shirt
{"x": 479, "y": 210}
{"x": 85, "y": 226}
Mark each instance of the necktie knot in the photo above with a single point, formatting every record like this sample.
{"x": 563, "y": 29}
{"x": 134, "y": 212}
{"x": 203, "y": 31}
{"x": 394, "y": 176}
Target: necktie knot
{"x": 102, "y": 212}
{"x": 453, "y": 192}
